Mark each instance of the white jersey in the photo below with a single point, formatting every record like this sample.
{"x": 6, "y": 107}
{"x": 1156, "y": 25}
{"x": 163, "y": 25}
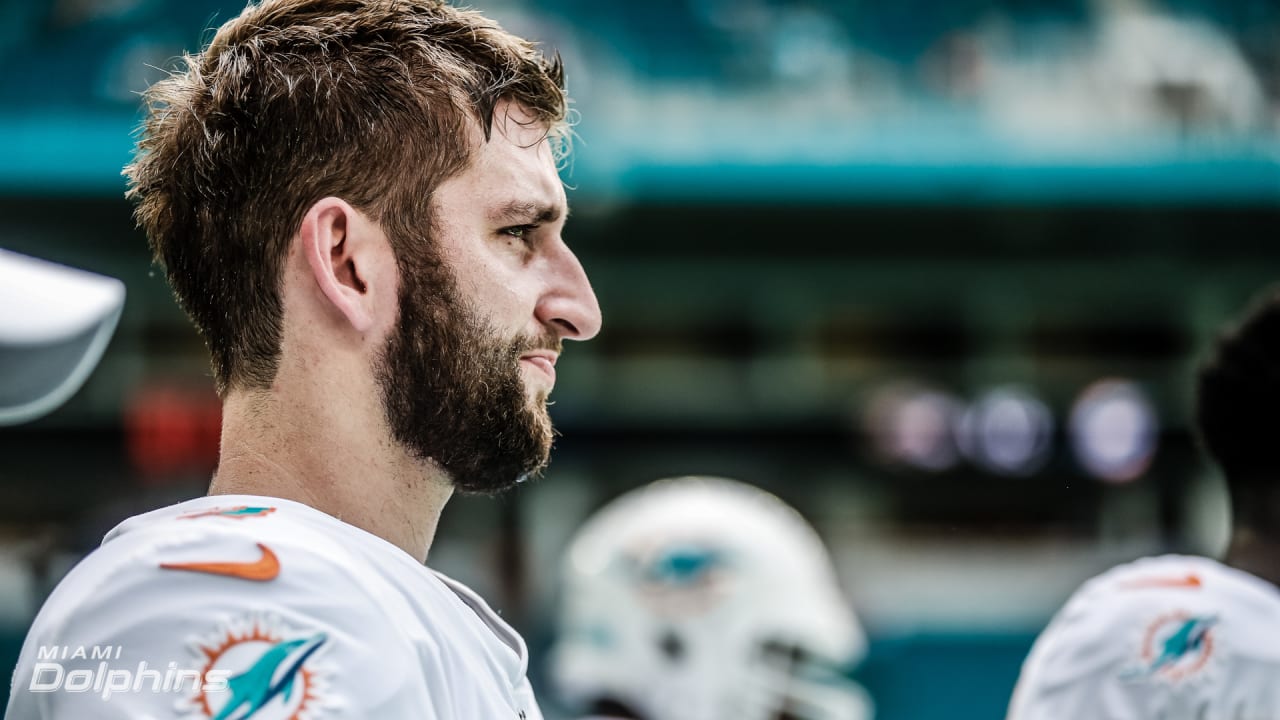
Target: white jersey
{"x": 255, "y": 608}
{"x": 1166, "y": 638}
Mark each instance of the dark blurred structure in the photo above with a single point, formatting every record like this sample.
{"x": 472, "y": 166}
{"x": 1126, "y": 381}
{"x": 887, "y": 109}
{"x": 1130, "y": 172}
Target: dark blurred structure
{"x": 936, "y": 273}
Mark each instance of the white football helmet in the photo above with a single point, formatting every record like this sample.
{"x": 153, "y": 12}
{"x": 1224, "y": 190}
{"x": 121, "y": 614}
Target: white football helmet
{"x": 705, "y": 599}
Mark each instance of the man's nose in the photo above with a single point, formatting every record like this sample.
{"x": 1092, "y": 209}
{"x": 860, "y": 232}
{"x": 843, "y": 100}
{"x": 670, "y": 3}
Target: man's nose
{"x": 569, "y": 305}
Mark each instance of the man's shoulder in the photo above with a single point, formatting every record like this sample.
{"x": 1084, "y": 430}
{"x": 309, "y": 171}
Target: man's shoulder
{"x": 228, "y": 590}
{"x": 204, "y": 558}
{"x": 1129, "y": 613}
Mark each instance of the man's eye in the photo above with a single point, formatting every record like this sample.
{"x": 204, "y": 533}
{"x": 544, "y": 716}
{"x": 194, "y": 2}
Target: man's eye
{"x": 523, "y": 233}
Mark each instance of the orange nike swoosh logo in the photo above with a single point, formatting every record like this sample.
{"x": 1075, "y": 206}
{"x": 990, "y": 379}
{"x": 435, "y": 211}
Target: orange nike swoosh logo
{"x": 1188, "y": 581}
{"x": 263, "y": 569}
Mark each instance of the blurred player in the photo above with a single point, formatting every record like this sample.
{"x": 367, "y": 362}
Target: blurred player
{"x": 705, "y": 599}
{"x": 1186, "y": 637}
{"x": 357, "y": 202}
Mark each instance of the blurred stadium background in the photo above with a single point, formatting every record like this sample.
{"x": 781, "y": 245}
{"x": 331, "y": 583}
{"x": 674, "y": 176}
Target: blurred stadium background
{"x": 937, "y": 273}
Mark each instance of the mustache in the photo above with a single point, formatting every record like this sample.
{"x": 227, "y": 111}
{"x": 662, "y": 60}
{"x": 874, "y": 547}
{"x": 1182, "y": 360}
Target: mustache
{"x": 537, "y": 341}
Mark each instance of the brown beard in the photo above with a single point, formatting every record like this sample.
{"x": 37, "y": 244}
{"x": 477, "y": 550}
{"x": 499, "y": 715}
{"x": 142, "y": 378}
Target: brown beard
{"x": 452, "y": 389}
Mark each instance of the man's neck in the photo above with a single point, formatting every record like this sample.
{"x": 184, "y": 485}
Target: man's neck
{"x": 1256, "y": 553}
{"x": 322, "y": 457}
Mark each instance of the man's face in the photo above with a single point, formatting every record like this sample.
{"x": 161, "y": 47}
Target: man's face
{"x": 467, "y": 371}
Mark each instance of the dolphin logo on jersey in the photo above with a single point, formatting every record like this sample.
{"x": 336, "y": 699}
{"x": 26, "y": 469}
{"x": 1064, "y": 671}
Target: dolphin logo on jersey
{"x": 1187, "y": 640}
{"x": 1175, "y": 647}
{"x": 254, "y": 667}
{"x": 273, "y": 674}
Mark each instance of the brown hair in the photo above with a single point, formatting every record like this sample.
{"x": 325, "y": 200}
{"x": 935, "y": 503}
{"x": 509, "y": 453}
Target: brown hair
{"x": 295, "y": 100}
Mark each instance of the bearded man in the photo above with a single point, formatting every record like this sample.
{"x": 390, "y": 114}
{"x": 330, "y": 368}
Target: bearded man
{"x": 357, "y": 202}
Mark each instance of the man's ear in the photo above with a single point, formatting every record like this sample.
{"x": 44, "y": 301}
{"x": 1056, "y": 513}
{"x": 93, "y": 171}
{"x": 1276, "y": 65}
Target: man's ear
{"x": 340, "y": 246}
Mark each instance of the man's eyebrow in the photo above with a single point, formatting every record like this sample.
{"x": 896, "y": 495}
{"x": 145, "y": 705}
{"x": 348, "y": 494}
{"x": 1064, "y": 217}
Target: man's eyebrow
{"x": 531, "y": 213}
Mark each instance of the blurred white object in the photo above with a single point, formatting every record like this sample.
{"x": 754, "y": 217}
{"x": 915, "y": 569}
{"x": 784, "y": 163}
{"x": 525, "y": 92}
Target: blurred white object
{"x": 1007, "y": 431}
{"x": 1139, "y": 74}
{"x": 1168, "y": 638}
{"x": 1186, "y": 71}
{"x": 55, "y": 322}
{"x": 913, "y": 424}
{"x": 703, "y": 599}
{"x": 1113, "y": 430}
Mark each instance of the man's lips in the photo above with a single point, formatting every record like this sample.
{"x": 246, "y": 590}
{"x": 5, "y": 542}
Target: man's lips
{"x": 546, "y": 362}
